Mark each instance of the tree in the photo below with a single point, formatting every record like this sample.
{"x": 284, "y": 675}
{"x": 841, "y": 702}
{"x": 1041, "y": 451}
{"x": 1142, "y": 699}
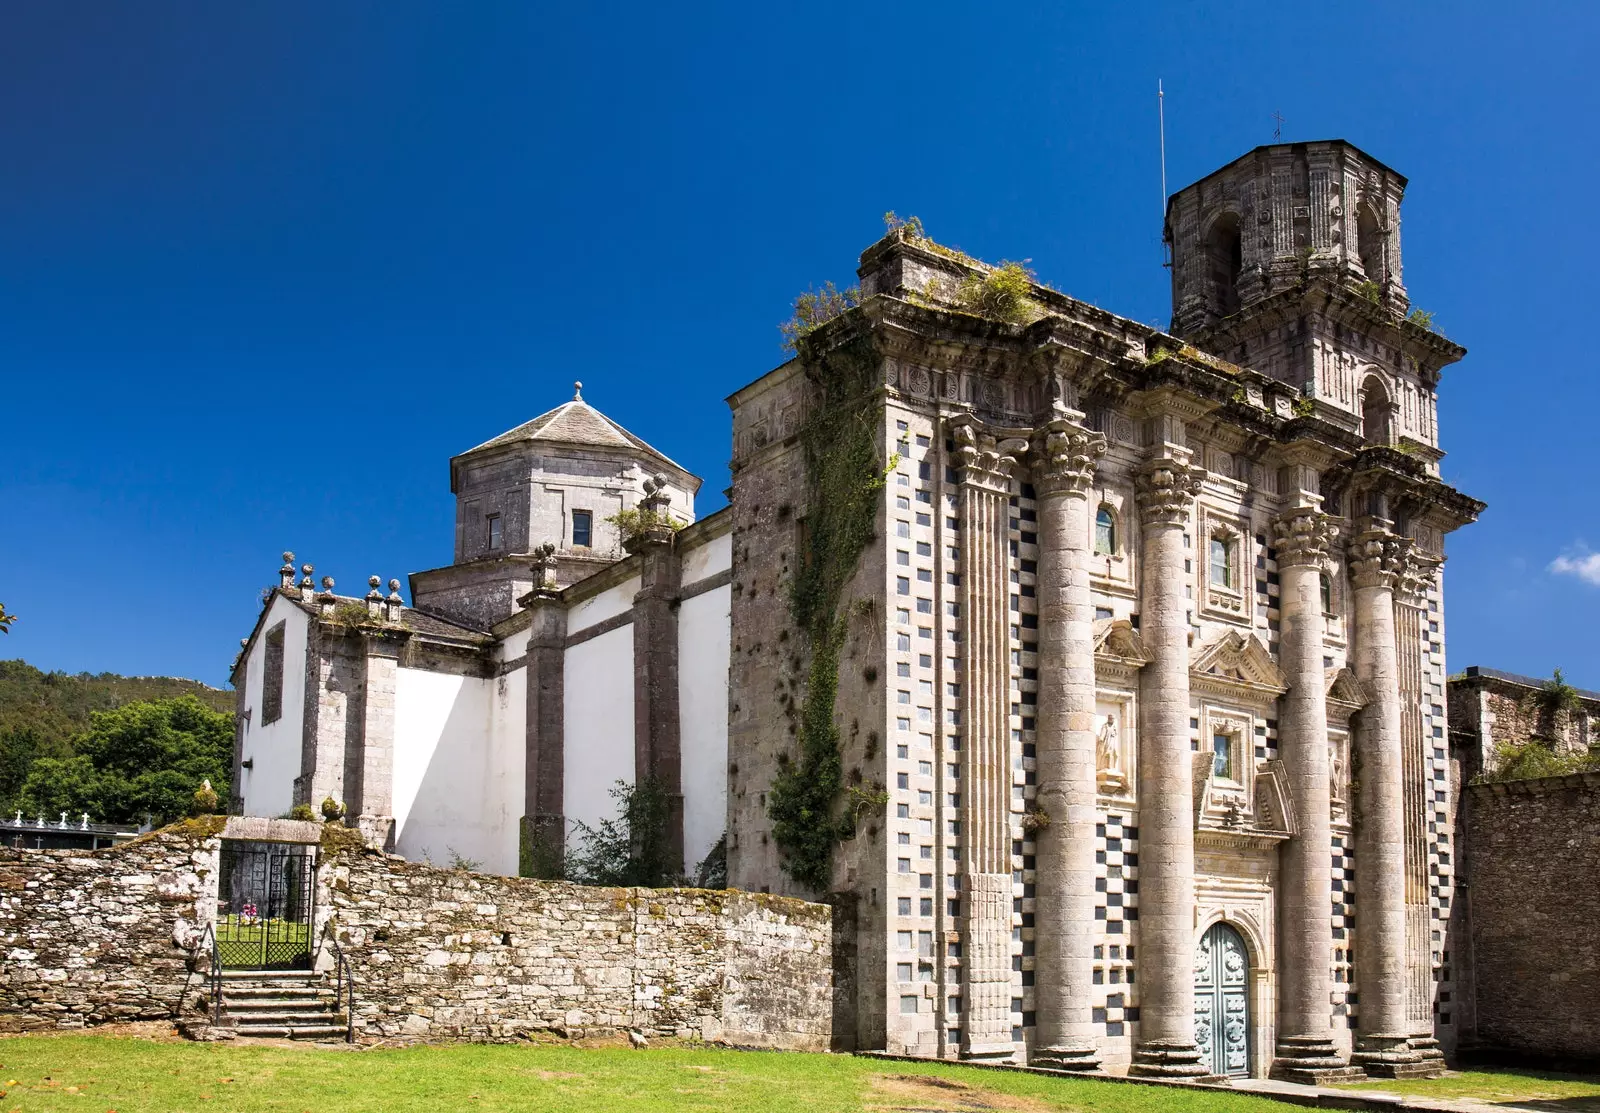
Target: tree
{"x": 144, "y": 758}
{"x": 631, "y": 849}
{"x": 6, "y": 620}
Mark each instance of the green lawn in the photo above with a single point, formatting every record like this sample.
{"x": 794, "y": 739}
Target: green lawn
{"x": 92, "y": 1074}
{"x": 1498, "y": 1085}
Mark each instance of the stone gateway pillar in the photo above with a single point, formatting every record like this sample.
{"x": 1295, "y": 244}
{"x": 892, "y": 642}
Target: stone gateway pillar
{"x": 986, "y": 466}
{"x": 1306, "y": 1052}
{"x": 1166, "y": 489}
{"x": 1064, "y": 465}
{"x": 1379, "y": 561}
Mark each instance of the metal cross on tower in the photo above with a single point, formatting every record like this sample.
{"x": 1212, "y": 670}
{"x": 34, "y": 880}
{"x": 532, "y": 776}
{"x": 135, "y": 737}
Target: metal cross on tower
{"x": 1278, "y": 122}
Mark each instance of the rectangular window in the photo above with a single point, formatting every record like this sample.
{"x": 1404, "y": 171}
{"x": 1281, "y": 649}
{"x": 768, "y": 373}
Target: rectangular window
{"x": 582, "y": 529}
{"x": 1222, "y": 756}
{"x": 496, "y": 534}
{"x": 1221, "y": 566}
{"x": 272, "y": 677}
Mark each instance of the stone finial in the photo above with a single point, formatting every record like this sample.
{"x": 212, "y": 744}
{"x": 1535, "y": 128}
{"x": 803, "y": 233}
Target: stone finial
{"x": 286, "y": 573}
{"x": 374, "y": 597}
{"x": 395, "y": 603}
{"x": 306, "y": 583}
{"x": 327, "y": 583}
{"x": 243, "y": 642}
{"x": 543, "y": 566}
{"x": 83, "y": 824}
{"x": 577, "y": 392}
{"x": 656, "y": 495}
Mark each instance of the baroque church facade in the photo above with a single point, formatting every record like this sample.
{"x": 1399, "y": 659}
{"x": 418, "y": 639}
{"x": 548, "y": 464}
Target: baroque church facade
{"x": 1140, "y": 704}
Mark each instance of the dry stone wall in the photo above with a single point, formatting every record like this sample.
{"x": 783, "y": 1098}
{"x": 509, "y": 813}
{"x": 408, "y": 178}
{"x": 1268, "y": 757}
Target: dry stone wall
{"x": 1533, "y": 871}
{"x": 447, "y": 954}
{"x": 89, "y": 937}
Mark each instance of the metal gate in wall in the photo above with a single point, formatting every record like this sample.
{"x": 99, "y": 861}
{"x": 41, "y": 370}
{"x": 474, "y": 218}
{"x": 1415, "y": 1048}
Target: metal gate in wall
{"x": 266, "y": 904}
{"x": 1222, "y": 1002}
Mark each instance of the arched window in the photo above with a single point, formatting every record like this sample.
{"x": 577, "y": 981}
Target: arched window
{"x": 1222, "y": 561}
{"x": 1326, "y": 586}
{"x": 1105, "y": 531}
{"x": 1369, "y": 243}
{"x": 1375, "y": 411}
{"x": 1225, "y": 259}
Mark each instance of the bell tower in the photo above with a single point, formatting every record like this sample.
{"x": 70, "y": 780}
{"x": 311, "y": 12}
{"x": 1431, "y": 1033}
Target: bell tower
{"x": 1287, "y": 260}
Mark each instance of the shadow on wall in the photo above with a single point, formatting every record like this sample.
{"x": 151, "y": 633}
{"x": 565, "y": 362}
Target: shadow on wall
{"x": 461, "y": 811}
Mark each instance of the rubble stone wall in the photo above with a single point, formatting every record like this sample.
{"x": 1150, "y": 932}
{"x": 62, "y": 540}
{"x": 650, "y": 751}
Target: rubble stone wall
{"x": 1533, "y": 871}
{"x": 89, "y": 937}
{"x": 448, "y": 954}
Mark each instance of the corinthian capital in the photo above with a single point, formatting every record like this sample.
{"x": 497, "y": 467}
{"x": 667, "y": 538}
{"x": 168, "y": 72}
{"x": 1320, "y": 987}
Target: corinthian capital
{"x": 1064, "y": 458}
{"x": 1167, "y": 488}
{"x": 986, "y": 460}
{"x": 1379, "y": 557}
{"x": 1303, "y": 536}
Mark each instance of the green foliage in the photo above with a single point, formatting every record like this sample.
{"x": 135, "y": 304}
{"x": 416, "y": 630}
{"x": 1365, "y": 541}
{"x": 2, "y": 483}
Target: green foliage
{"x": 303, "y": 813}
{"x": 1537, "y": 758}
{"x": 633, "y": 522}
{"x": 538, "y": 854}
{"x": 844, "y": 478}
{"x": 145, "y": 758}
{"x": 1003, "y": 294}
{"x": 348, "y": 613}
{"x": 6, "y": 620}
{"x": 815, "y": 308}
{"x": 1370, "y": 290}
{"x": 1557, "y": 695}
{"x": 909, "y": 228}
{"x": 1303, "y": 407}
{"x": 205, "y": 800}
{"x": 1421, "y": 317}
{"x": 631, "y": 849}
{"x": 459, "y": 861}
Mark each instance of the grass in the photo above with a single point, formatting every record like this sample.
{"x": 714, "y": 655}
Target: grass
{"x": 1496, "y": 1085}
{"x": 90, "y": 1074}
{"x": 245, "y": 945}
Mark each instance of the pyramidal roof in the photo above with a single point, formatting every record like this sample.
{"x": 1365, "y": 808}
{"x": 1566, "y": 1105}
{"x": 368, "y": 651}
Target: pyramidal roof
{"x": 577, "y": 423}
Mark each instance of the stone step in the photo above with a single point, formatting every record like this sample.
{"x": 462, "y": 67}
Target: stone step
{"x": 239, "y": 974}
{"x": 252, "y": 1008}
{"x": 292, "y": 1032}
{"x": 277, "y": 1020}
{"x": 276, "y": 993}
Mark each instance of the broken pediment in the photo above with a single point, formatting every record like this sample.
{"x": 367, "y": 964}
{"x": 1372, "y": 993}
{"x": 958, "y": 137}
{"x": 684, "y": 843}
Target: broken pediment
{"x": 1345, "y": 693}
{"x": 1239, "y": 662}
{"x": 1116, "y": 638}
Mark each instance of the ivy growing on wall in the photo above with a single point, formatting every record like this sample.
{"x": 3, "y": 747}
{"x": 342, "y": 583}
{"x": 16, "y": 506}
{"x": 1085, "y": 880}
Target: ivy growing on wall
{"x": 844, "y": 477}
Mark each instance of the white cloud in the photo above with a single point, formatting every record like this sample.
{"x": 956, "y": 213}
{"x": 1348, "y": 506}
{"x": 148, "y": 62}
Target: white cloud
{"x": 1580, "y": 562}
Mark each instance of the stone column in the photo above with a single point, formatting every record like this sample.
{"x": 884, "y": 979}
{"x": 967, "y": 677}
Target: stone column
{"x": 374, "y": 809}
{"x": 657, "y": 741}
{"x": 543, "y": 837}
{"x": 986, "y": 466}
{"x": 1063, "y": 470}
{"x": 1166, "y": 489}
{"x": 1306, "y": 1052}
{"x": 1379, "y": 560}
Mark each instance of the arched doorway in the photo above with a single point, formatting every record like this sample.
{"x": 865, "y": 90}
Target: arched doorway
{"x": 1222, "y": 1002}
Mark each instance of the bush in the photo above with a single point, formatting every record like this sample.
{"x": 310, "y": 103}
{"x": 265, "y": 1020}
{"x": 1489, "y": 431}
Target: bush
{"x": 815, "y": 308}
{"x": 1004, "y": 294}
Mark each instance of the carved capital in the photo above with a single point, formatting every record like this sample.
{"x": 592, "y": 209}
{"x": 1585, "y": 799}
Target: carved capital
{"x": 1303, "y": 536}
{"x": 1167, "y": 488}
{"x": 985, "y": 459}
{"x": 1380, "y": 557}
{"x": 1064, "y": 458}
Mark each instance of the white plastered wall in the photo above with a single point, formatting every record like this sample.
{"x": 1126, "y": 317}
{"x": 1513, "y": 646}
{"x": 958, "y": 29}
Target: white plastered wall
{"x": 609, "y": 603}
{"x": 597, "y": 725}
{"x": 703, "y": 634}
{"x": 273, "y": 749}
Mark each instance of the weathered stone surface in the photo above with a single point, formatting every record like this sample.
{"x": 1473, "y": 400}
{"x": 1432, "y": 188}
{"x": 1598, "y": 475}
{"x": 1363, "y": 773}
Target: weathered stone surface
{"x": 90, "y": 937}
{"x": 1533, "y": 869}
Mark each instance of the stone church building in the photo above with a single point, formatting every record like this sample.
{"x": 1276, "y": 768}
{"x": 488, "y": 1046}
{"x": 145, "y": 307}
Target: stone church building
{"x": 1138, "y": 718}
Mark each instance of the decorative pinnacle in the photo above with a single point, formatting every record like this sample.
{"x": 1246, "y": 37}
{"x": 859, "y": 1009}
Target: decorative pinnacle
{"x": 307, "y": 569}
{"x": 288, "y": 557}
{"x": 372, "y": 583}
{"x": 394, "y": 592}
{"x": 327, "y": 583}
{"x": 577, "y": 392}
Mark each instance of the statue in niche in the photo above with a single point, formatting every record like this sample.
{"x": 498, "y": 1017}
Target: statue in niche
{"x": 1336, "y": 770}
{"x": 1108, "y": 756}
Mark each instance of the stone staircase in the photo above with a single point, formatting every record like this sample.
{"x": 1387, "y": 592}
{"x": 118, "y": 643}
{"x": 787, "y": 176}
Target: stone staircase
{"x": 278, "y": 1004}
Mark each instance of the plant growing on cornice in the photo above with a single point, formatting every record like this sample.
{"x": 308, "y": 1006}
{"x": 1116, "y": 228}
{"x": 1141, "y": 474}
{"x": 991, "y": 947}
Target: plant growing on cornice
{"x": 907, "y": 228}
{"x": 844, "y": 476}
{"x": 1535, "y": 758}
{"x": 348, "y": 613}
{"x": 1370, "y": 290}
{"x": 633, "y": 522}
{"x": 1557, "y": 695}
{"x": 1422, "y": 318}
{"x": 1004, "y": 294}
{"x": 1303, "y": 407}
{"x": 815, "y": 308}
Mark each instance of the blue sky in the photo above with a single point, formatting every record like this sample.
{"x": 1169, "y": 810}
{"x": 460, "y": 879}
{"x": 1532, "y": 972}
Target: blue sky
{"x": 264, "y": 268}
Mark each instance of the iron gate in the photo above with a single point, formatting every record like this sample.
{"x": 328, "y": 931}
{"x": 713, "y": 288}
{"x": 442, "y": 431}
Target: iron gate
{"x": 266, "y": 903}
{"x": 1222, "y": 1002}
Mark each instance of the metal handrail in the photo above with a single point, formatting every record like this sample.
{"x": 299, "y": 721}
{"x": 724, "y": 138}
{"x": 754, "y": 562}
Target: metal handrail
{"x": 216, "y": 972}
{"x": 344, "y": 984}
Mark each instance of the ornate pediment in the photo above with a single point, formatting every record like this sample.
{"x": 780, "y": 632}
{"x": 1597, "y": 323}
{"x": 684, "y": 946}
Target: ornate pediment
{"x": 1119, "y": 652}
{"x": 1345, "y": 693}
{"x": 1237, "y": 664}
{"x": 1274, "y": 808}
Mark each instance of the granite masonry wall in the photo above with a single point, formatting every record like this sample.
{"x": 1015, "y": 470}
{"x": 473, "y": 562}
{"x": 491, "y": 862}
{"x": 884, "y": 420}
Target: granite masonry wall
{"x": 1532, "y": 949}
{"x": 441, "y": 954}
{"x": 447, "y": 954}
{"x": 89, "y": 937}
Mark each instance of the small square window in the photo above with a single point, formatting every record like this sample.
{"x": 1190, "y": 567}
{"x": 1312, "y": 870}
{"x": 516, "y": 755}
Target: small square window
{"x": 908, "y": 1004}
{"x": 497, "y": 537}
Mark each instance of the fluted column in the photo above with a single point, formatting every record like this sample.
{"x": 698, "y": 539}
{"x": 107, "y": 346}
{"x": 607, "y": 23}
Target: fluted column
{"x": 1063, "y": 470}
{"x": 986, "y": 464}
{"x": 1166, "y": 1047}
{"x": 1306, "y": 1052}
{"x": 1379, "y": 561}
